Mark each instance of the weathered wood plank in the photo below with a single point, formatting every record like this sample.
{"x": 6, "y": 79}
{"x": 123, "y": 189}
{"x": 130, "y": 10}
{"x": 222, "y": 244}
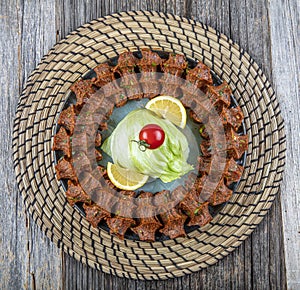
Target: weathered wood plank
{"x": 249, "y": 27}
{"x": 14, "y": 268}
{"x": 38, "y": 36}
{"x": 27, "y": 257}
{"x": 270, "y": 234}
{"x": 285, "y": 35}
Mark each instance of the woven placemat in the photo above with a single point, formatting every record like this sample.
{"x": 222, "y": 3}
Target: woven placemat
{"x": 44, "y": 96}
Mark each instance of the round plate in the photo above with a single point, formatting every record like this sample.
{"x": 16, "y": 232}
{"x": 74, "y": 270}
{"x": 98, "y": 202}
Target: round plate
{"x": 71, "y": 100}
{"x": 44, "y": 97}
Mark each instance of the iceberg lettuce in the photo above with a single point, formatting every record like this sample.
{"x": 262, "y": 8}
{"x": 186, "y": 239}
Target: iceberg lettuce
{"x": 168, "y": 162}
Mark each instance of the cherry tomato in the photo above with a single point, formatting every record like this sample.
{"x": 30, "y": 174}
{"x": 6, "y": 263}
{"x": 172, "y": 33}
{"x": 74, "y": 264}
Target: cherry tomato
{"x": 153, "y": 135}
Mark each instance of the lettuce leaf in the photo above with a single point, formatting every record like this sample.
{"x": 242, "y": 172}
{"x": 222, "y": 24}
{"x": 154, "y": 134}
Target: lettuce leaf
{"x": 168, "y": 162}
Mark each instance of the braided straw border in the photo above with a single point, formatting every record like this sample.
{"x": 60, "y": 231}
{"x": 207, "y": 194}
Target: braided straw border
{"x": 44, "y": 96}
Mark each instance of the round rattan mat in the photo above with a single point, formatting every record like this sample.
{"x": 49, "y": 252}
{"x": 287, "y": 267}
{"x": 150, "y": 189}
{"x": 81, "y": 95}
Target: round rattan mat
{"x": 44, "y": 96}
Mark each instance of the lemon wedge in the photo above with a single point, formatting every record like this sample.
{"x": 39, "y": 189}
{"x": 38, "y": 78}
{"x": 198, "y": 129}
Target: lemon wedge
{"x": 168, "y": 108}
{"x": 125, "y": 179}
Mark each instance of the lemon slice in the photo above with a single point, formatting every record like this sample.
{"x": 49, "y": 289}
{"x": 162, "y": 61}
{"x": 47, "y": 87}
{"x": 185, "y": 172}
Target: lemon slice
{"x": 124, "y": 178}
{"x": 169, "y": 108}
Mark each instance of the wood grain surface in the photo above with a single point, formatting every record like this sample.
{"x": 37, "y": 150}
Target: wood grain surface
{"x": 267, "y": 29}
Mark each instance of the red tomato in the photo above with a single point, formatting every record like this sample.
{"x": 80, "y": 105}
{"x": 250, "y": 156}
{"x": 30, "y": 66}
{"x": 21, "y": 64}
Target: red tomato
{"x": 153, "y": 135}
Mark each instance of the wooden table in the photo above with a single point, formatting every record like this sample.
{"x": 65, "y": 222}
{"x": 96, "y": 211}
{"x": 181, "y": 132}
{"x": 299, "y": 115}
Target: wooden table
{"x": 267, "y": 29}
